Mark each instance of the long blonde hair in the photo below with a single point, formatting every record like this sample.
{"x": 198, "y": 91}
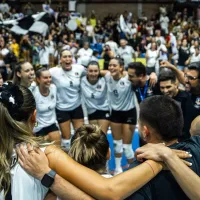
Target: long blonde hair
{"x": 14, "y": 123}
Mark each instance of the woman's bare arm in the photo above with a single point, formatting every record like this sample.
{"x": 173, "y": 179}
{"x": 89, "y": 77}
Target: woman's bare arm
{"x": 118, "y": 187}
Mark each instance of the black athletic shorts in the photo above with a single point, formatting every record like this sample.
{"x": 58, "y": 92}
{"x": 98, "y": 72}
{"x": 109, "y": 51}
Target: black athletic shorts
{"x": 46, "y": 130}
{"x": 63, "y": 116}
{"x": 124, "y": 117}
{"x": 100, "y": 114}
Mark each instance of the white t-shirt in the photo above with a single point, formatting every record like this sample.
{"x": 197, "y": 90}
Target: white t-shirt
{"x": 153, "y": 55}
{"x": 195, "y": 58}
{"x": 45, "y": 106}
{"x": 24, "y": 186}
{"x": 120, "y": 93}
{"x": 113, "y": 46}
{"x": 90, "y": 30}
{"x": 94, "y": 96}
{"x": 163, "y": 52}
{"x": 161, "y": 38}
{"x": 192, "y": 50}
{"x": 127, "y": 54}
{"x": 44, "y": 56}
{"x": 150, "y": 29}
{"x": 4, "y": 51}
{"x": 4, "y": 8}
{"x": 164, "y": 21}
{"x": 68, "y": 86}
{"x": 85, "y": 56}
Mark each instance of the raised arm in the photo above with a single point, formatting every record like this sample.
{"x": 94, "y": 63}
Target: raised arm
{"x": 179, "y": 73}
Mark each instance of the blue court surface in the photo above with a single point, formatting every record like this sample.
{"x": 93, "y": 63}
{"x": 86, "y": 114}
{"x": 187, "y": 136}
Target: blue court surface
{"x": 135, "y": 145}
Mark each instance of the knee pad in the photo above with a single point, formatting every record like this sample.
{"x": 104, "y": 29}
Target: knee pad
{"x": 118, "y": 146}
{"x": 128, "y": 151}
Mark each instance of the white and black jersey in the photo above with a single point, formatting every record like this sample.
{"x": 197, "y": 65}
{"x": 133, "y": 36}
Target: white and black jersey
{"x": 120, "y": 93}
{"x": 32, "y": 86}
{"x": 45, "y": 107}
{"x": 23, "y": 185}
{"x": 68, "y": 86}
{"x": 94, "y": 96}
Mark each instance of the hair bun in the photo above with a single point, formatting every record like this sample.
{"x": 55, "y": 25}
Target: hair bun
{"x": 92, "y": 134}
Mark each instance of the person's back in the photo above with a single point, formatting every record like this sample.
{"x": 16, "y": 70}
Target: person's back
{"x": 17, "y": 106}
{"x": 164, "y": 185}
{"x": 25, "y": 186}
{"x": 161, "y": 121}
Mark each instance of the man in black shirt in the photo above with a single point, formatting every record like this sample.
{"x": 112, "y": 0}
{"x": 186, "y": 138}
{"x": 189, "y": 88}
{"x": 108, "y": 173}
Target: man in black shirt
{"x": 140, "y": 81}
{"x": 169, "y": 86}
{"x": 161, "y": 120}
{"x": 191, "y": 80}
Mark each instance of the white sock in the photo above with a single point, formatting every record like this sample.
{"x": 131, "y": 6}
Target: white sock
{"x": 118, "y": 164}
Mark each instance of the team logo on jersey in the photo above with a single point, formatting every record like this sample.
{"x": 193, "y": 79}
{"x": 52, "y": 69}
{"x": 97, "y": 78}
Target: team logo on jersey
{"x": 99, "y": 87}
{"x": 116, "y": 93}
{"x": 197, "y": 103}
{"x": 122, "y": 83}
{"x": 36, "y": 124}
{"x": 52, "y": 96}
{"x": 71, "y": 84}
{"x": 92, "y": 96}
{"x": 76, "y": 74}
{"x": 129, "y": 120}
{"x": 107, "y": 115}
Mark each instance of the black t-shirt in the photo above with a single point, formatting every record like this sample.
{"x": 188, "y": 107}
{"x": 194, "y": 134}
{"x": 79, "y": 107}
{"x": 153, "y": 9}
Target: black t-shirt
{"x": 164, "y": 185}
{"x": 184, "y": 54}
{"x": 192, "y": 110}
{"x": 150, "y": 92}
{"x": 182, "y": 97}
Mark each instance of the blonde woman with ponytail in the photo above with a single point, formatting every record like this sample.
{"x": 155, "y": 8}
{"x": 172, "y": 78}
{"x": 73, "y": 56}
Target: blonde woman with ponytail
{"x": 90, "y": 148}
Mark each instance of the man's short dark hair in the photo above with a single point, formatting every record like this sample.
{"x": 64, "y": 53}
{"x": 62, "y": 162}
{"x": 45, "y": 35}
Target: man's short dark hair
{"x": 164, "y": 115}
{"x": 195, "y": 66}
{"x": 140, "y": 69}
{"x": 167, "y": 75}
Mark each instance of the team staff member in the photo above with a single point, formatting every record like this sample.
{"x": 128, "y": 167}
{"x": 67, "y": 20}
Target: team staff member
{"x": 45, "y": 97}
{"x": 168, "y": 84}
{"x": 191, "y": 80}
{"x": 24, "y": 75}
{"x": 161, "y": 120}
{"x": 94, "y": 95}
{"x": 67, "y": 77}
{"x": 141, "y": 82}
{"x": 123, "y": 115}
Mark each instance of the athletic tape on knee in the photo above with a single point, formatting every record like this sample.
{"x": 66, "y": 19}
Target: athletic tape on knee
{"x": 118, "y": 146}
{"x": 128, "y": 151}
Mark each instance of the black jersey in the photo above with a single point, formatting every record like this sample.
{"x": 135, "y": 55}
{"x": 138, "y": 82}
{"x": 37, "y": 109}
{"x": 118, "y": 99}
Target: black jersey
{"x": 164, "y": 185}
